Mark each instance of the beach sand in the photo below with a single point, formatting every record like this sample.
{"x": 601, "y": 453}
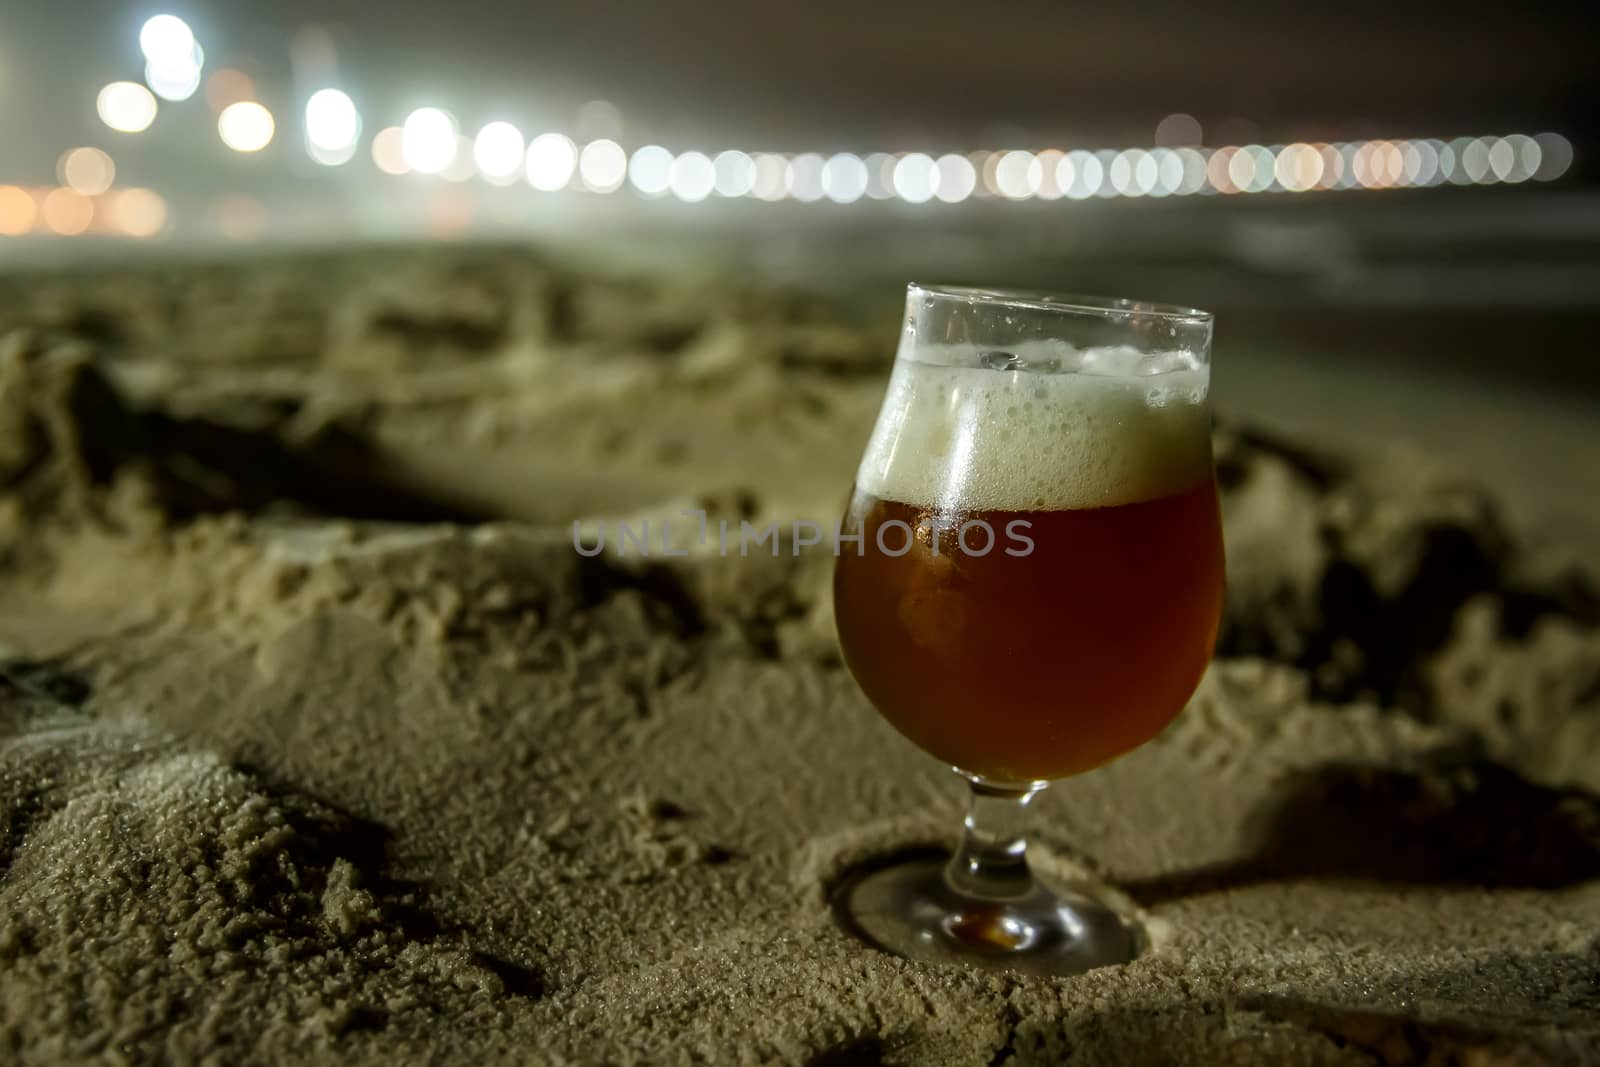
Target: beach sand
{"x": 320, "y": 743}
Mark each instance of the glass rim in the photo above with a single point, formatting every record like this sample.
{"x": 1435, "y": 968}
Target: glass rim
{"x": 1074, "y": 303}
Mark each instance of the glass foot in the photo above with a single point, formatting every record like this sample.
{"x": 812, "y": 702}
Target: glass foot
{"x": 911, "y": 909}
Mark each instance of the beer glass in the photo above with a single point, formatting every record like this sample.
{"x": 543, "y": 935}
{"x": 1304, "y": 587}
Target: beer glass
{"x": 1035, "y": 588}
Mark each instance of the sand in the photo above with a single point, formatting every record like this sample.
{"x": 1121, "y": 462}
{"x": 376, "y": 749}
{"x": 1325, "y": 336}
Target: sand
{"x": 320, "y": 743}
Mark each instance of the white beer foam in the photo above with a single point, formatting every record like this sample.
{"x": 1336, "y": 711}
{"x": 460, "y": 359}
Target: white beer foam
{"x": 1095, "y": 428}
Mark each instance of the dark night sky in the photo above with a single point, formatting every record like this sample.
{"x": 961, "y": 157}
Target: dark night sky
{"x": 835, "y": 73}
{"x": 928, "y": 74}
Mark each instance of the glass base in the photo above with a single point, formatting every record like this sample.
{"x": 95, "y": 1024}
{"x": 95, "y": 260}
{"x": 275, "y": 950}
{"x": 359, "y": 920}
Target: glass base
{"x": 910, "y": 909}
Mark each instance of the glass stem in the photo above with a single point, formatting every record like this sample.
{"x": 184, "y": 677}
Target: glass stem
{"x": 992, "y": 860}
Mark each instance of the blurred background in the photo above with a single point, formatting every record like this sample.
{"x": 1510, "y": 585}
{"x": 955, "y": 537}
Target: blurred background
{"x": 1395, "y": 213}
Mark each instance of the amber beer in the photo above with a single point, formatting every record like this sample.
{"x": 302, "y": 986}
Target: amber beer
{"x": 1084, "y": 628}
{"x": 1037, "y": 666}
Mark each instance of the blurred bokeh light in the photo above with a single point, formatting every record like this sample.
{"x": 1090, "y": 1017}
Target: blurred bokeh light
{"x": 602, "y": 164}
{"x": 498, "y": 152}
{"x": 916, "y": 178}
{"x": 126, "y": 107}
{"x": 67, "y": 212}
{"x": 650, "y": 170}
{"x": 333, "y": 127}
{"x": 86, "y": 170}
{"x": 173, "y": 58}
{"x": 138, "y": 212}
{"x": 692, "y": 176}
{"x": 735, "y": 173}
{"x": 551, "y": 161}
{"x": 246, "y": 126}
{"x": 18, "y": 210}
{"x": 428, "y": 140}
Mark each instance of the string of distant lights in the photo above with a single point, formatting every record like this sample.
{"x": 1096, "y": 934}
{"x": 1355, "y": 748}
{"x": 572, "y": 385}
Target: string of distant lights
{"x": 430, "y": 142}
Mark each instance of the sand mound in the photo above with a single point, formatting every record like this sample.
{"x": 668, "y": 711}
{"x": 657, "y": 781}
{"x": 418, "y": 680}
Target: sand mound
{"x": 140, "y": 870}
{"x": 320, "y": 743}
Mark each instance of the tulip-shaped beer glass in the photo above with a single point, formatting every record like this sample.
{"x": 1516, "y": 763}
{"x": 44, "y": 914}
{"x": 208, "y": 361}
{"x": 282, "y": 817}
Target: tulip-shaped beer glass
{"x": 1036, "y": 590}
